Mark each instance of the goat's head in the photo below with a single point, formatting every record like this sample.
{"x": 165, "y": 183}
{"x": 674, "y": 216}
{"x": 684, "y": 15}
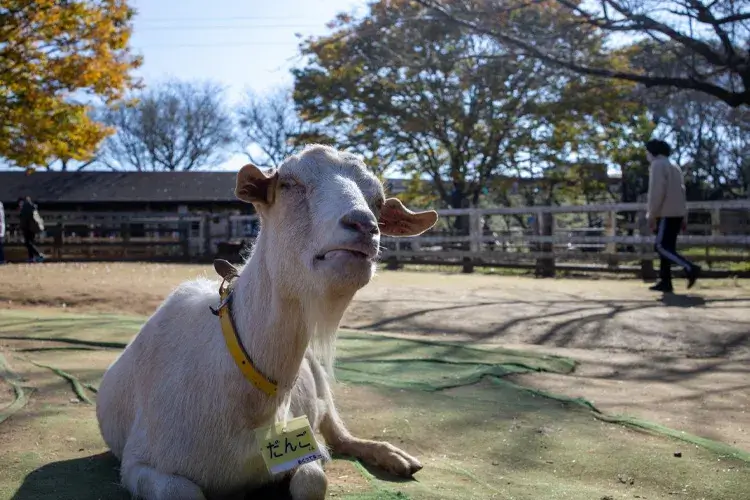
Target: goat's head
{"x": 322, "y": 214}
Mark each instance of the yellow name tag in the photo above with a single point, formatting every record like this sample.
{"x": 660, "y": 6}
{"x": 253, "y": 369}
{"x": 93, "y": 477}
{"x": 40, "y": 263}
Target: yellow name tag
{"x": 285, "y": 449}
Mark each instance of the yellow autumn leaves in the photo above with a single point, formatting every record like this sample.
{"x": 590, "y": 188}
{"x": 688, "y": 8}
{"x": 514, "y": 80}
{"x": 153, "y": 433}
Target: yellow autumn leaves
{"x": 55, "y": 59}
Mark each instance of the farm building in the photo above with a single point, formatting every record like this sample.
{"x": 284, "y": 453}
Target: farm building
{"x": 118, "y": 192}
{"x": 130, "y": 192}
{"x": 79, "y": 206}
{"x": 97, "y": 204}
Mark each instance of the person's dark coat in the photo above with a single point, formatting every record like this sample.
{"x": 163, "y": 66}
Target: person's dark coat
{"x": 27, "y": 217}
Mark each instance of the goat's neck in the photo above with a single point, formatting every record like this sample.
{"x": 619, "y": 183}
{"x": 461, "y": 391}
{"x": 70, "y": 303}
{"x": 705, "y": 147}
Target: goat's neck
{"x": 275, "y": 327}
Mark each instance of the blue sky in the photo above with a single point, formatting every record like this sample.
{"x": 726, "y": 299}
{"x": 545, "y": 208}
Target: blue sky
{"x": 241, "y": 44}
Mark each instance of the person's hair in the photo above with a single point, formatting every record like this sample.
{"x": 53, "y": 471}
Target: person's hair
{"x": 658, "y": 148}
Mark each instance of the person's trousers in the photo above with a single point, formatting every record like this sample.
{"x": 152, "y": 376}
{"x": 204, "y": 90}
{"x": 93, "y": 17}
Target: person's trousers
{"x": 2, "y": 249}
{"x": 28, "y": 240}
{"x": 667, "y": 229}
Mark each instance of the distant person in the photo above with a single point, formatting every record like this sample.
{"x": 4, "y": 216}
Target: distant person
{"x": 2, "y": 234}
{"x": 667, "y": 214}
{"x": 31, "y": 225}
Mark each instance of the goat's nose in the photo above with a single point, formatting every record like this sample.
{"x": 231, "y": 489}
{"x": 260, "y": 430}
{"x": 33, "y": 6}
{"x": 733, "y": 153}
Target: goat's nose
{"x": 360, "y": 221}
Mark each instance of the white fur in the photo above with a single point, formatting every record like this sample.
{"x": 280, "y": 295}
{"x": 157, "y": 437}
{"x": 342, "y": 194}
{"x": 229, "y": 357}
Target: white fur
{"x": 174, "y": 407}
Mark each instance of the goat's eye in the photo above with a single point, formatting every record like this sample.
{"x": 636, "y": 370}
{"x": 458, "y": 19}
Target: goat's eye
{"x": 288, "y": 183}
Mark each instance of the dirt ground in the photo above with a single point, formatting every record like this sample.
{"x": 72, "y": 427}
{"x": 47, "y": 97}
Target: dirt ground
{"x": 478, "y": 437}
{"x": 682, "y": 361}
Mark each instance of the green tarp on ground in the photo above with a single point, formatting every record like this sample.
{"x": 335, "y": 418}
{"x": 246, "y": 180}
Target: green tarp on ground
{"x": 477, "y": 434}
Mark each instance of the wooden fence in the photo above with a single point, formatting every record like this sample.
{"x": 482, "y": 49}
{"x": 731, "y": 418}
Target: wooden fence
{"x": 109, "y": 236}
{"x": 612, "y": 237}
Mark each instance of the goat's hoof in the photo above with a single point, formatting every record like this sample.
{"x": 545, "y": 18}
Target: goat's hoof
{"x": 415, "y": 467}
{"x": 397, "y": 461}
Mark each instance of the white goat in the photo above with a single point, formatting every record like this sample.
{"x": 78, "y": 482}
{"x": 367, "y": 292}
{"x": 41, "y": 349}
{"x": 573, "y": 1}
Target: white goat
{"x": 176, "y": 409}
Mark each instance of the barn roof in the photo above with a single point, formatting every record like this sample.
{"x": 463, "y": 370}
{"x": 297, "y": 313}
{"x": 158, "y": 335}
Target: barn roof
{"x": 113, "y": 187}
{"x": 132, "y": 187}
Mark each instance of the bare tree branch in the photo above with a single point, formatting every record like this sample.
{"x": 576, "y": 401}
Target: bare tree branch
{"x": 270, "y": 125}
{"x": 173, "y": 126}
{"x": 722, "y": 61}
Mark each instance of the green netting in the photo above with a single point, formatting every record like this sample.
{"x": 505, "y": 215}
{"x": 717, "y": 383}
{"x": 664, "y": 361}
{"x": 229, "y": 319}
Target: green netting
{"x": 721, "y": 449}
{"x": 76, "y": 384}
{"x": 20, "y": 396}
{"x": 479, "y": 435}
{"x": 431, "y": 366}
{"x": 93, "y": 330}
{"x": 379, "y": 493}
{"x": 418, "y": 364}
{"x": 355, "y": 346}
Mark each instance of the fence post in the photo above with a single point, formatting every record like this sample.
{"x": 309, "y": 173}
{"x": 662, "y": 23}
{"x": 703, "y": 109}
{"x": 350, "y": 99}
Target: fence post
{"x": 392, "y": 261}
{"x": 475, "y": 230}
{"x": 125, "y": 233}
{"x": 611, "y": 248}
{"x": 57, "y": 241}
{"x": 647, "y": 265}
{"x": 206, "y": 233}
{"x": 715, "y": 222}
{"x": 183, "y": 228}
{"x": 90, "y": 240}
{"x": 715, "y": 231}
{"x": 545, "y": 266}
{"x": 475, "y": 240}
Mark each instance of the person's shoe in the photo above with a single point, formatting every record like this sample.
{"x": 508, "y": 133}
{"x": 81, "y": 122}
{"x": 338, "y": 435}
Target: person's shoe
{"x": 661, "y": 287}
{"x": 39, "y": 258}
{"x": 692, "y": 276}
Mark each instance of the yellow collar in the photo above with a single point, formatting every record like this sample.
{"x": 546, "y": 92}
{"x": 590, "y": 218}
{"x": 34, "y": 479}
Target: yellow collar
{"x": 236, "y": 349}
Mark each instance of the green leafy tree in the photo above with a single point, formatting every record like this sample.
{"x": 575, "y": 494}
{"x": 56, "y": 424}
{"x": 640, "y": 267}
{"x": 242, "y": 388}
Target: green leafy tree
{"x": 422, "y": 96}
{"x": 711, "y": 141}
{"x": 472, "y": 116}
{"x": 605, "y": 128}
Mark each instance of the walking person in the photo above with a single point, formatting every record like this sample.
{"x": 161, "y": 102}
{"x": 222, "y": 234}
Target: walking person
{"x": 2, "y": 234}
{"x": 667, "y": 214}
{"x": 31, "y": 225}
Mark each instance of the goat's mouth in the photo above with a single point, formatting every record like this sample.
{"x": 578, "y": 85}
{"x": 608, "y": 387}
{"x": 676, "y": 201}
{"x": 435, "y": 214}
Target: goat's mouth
{"x": 347, "y": 253}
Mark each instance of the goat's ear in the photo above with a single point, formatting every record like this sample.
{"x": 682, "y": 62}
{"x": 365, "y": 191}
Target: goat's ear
{"x": 225, "y": 269}
{"x": 256, "y": 186}
{"x": 397, "y": 220}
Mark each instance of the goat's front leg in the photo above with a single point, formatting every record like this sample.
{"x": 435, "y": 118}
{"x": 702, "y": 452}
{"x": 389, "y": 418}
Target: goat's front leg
{"x": 143, "y": 481}
{"x": 378, "y": 453}
{"x": 308, "y": 482}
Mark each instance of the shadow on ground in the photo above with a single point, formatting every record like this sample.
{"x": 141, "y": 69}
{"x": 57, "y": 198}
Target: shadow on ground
{"x": 96, "y": 477}
{"x": 88, "y": 478}
{"x": 666, "y": 327}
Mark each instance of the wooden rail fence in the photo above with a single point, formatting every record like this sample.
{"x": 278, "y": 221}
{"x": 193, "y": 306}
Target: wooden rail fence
{"x": 612, "y": 237}
{"x": 108, "y": 236}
